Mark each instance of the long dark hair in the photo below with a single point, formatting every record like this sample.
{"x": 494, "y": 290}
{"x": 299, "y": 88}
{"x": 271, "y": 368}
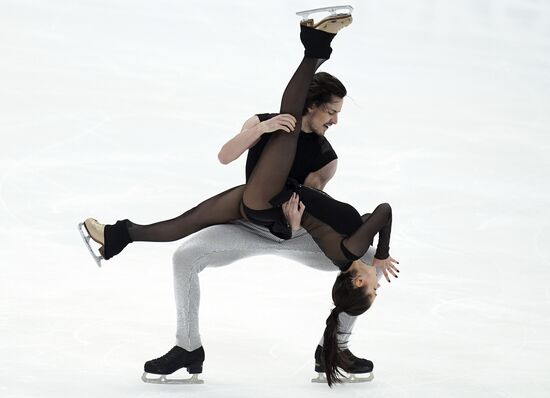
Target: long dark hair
{"x": 353, "y": 301}
{"x": 321, "y": 90}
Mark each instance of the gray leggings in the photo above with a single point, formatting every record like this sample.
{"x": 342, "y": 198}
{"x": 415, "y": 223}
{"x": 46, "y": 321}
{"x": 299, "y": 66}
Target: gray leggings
{"x": 224, "y": 244}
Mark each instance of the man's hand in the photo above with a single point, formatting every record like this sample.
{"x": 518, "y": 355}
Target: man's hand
{"x": 386, "y": 266}
{"x": 283, "y": 122}
{"x": 293, "y": 210}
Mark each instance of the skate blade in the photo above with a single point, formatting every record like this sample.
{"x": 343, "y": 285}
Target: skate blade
{"x": 86, "y": 238}
{"x": 331, "y": 24}
{"x": 332, "y": 10}
{"x": 352, "y": 378}
{"x": 194, "y": 379}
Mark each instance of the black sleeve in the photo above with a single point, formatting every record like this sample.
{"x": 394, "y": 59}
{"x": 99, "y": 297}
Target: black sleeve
{"x": 325, "y": 156}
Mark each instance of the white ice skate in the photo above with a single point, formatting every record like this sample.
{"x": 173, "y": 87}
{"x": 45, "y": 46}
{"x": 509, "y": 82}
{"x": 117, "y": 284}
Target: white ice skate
{"x": 161, "y": 379}
{"x": 351, "y": 378}
{"x": 94, "y": 226}
{"x": 335, "y": 21}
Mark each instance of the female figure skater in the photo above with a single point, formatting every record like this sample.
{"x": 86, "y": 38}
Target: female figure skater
{"x": 336, "y": 227}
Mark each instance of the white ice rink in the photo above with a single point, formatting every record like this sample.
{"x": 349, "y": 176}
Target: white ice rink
{"x": 117, "y": 109}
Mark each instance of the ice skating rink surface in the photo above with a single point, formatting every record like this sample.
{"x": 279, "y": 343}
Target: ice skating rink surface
{"x": 118, "y": 109}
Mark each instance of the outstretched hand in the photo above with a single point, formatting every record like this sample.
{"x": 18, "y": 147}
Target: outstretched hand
{"x": 285, "y": 122}
{"x": 387, "y": 266}
{"x": 293, "y": 210}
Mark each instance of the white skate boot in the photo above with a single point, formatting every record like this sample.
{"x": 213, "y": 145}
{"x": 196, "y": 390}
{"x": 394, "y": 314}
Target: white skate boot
{"x": 92, "y": 229}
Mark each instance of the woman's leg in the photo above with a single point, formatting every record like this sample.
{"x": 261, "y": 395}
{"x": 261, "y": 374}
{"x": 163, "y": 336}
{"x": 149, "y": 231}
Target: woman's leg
{"x": 219, "y": 209}
{"x": 271, "y": 172}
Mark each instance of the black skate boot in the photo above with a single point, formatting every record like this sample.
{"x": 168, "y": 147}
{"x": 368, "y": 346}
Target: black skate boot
{"x": 112, "y": 238}
{"x": 173, "y": 360}
{"x": 359, "y": 366}
{"x": 117, "y": 238}
{"x": 316, "y": 38}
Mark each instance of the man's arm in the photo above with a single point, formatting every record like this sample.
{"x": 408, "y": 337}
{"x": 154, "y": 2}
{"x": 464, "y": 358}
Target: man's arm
{"x": 250, "y": 134}
{"x": 293, "y": 208}
{"x": 318, "y": 179}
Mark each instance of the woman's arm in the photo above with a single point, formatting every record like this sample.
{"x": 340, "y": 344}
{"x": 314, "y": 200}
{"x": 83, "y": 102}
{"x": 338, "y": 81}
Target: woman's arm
{"x": 250, "y": 134}
{"x": 248, "y": 137}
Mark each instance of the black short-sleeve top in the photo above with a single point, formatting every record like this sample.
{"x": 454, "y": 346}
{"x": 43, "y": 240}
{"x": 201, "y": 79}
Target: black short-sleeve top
{"x": 312, "y": 153}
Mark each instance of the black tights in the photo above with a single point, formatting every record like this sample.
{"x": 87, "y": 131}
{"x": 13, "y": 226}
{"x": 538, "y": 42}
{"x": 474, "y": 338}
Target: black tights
{"x": 271, "y": 171}
{"x": 219, "y": 209}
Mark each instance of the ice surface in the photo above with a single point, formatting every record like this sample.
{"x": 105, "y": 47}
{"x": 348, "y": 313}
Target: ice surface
{"x": 118, "y": 109}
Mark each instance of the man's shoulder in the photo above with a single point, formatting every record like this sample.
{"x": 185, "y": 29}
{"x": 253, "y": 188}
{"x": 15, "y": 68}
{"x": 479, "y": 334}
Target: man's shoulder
{"x": 324, "y": 142}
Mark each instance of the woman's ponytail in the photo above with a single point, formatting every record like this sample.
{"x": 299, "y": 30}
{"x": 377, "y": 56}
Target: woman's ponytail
{"x": 353, "y": 301}
{"x": 332, "y": 354}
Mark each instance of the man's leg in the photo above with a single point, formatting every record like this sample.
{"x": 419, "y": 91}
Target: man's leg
{"x": 216, "y": 246}
{"x": 212, "y": 247}
{"x": 224, "y": 244}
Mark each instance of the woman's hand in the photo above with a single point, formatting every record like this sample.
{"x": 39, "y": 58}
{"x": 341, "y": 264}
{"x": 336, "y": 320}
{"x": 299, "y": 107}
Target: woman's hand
{"x": 387, "y": 266}
{"x": 283, "y": 122}
{"x": 293, "y": 210}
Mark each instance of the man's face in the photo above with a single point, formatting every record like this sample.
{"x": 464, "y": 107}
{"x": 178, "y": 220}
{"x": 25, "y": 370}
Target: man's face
{"x": 325, "y": 115}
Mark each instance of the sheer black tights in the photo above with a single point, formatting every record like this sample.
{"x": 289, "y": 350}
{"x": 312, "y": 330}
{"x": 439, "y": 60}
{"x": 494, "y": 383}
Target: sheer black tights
{"x": 271, "y": 171}
{"x": 219, "y": 209}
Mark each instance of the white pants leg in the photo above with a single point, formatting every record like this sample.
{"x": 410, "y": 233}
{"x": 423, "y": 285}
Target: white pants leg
{"x": 224, "y": 244}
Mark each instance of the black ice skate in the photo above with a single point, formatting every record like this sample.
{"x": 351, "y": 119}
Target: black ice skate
{"x": 111, "y": 238}
{"x": 316, "y": 37}
{"x": 359, "y": 366}
{"x": 173, "y": 360}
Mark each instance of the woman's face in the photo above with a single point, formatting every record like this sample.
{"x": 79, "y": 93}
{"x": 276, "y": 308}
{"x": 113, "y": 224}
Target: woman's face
{"x": 366, "y": 278}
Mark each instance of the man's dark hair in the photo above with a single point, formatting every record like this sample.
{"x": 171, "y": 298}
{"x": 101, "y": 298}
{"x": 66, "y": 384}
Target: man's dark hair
{"x": 322, "y": 88}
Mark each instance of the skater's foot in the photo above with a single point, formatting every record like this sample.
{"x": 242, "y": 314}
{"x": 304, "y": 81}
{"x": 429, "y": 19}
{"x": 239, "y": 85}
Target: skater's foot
{"x": 332, "y": 24}
{"x": 96, "y": 231}
{"x": 357, "y": 365}
{"x": 112, "y": 238}
{"x": 316, "y": 37}
{"x": 359, "y": 370}
{"x": 175, "y": 359}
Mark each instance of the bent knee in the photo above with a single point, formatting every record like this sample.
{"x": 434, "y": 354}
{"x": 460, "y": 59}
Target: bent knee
{"x": 186, "y": 256}
{"x": 385, "y": 207}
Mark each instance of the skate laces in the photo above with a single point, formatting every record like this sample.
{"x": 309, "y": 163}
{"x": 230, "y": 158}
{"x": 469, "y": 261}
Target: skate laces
{"x": 172, "y": 354}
